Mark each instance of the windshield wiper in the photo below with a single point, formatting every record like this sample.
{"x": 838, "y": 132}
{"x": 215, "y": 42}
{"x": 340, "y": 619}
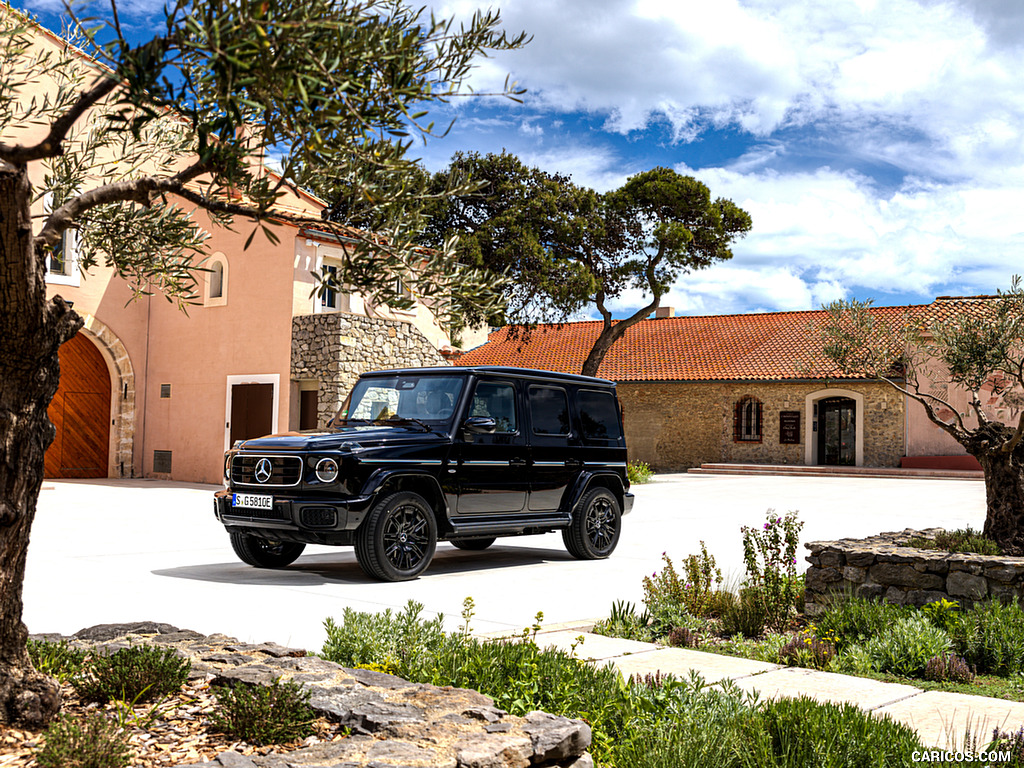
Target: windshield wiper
{"x": 407, "y": 419}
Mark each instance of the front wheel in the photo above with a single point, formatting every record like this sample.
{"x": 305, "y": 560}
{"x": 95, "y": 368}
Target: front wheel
{"x": 397, "y": 539}
{"x": 595, "y": 527}
{"x": 264, "y": 553}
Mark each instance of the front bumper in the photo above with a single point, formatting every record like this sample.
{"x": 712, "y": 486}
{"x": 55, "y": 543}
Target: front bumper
{"x": 308, "y": 519}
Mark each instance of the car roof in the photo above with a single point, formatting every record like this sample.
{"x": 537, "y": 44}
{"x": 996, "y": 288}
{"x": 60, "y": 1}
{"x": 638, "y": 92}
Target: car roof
{"x": 500, "y": 370}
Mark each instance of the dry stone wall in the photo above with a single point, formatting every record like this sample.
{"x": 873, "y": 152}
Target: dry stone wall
{"x": 884, "y": 567}
{"x": 335, "y": 348}
{"x": 394, "y": 723}
{"x": 674, "y": 425}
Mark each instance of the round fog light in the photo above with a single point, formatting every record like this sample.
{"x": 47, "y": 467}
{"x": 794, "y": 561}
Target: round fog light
{"x": 327, "y": 470}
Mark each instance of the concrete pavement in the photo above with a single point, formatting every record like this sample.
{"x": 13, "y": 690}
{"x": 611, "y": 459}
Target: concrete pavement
{"x": 126, "y": 550}
{"x": 941, "y": 719}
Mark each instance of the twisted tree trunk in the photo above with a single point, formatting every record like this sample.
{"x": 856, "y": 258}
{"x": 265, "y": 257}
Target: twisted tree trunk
{"x": 1004, "y": 485}
{"x": 31, "y": 332}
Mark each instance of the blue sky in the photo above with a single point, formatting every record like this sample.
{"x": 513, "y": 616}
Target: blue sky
{"x": 877, "y": 144}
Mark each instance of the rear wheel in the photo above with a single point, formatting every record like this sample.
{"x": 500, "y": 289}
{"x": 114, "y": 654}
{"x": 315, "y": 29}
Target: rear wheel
{"x": 396, "y": 541}
{"x": 474, "y": 545}
{"x": 265, "y": 553}
{"x": 595, "y": 527}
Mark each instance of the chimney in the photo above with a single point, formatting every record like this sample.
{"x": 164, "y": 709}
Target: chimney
{"x": 664, "y": 312}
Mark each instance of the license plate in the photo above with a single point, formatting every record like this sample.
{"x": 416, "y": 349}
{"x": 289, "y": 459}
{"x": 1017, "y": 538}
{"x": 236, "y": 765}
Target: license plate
{"x": 252, "y": 501}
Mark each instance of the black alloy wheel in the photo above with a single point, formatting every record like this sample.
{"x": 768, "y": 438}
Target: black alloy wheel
{"x": 595, "y": 528}
{"x": 396, "y": 542}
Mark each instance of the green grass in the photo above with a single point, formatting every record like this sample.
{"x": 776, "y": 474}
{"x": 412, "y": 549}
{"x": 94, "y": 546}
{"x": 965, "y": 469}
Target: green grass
{"x": 963, "y": 541}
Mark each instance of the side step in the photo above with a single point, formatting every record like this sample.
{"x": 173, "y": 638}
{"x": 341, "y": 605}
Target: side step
{"x": 512, "y": 524}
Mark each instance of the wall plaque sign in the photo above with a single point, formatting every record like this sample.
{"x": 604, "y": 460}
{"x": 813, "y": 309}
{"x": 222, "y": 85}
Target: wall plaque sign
{"x": 789, "y": 427}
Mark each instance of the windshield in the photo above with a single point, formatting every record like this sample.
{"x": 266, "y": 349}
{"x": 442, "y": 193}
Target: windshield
{"x": 424, "y": 399}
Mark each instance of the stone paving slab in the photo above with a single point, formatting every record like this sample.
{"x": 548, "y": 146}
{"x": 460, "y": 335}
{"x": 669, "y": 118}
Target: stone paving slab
{"x": 793, "y": 682}
{"x": 942, "y": 718}
{"x": 713, "y": 667}
{"x": 594, "y": 647}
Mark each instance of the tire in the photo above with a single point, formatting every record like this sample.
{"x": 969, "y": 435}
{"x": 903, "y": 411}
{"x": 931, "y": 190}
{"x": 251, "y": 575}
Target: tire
{"x": 473, "y": 545}
{"x": 397, "y": 539}
{"x": 264, "y": 553}
{"x": 595, "y": 527}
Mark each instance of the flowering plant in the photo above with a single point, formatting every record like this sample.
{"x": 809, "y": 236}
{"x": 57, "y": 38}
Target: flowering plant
{"x": 769, "y": 554}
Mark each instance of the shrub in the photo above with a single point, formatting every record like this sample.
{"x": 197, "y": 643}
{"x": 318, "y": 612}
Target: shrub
{"x": 1012, "y": 742}
{"x": 806, "y": 650}
{"x": 624, "y": 621}
{"x": 746, "y": 615}
{"x": 853, "y": 660}
{"x": 853, "y": 621}
{"x": 948, "y": 667}
{"x": 670, "y": 596}
{"x": 264, "y": 714}
{"x": 403, "y": 642}
{"x": 769, "y": 554}
{"x": 89, "y": 742}
{"x": 684, "y": 637}
{"x": 964, "y": 540}
{"x": 991, "y": 637}
{"x": 639, "y": 472}
{"x": 941, "y": 613}
{"x": 138, "y": 673}
{"x": 803, "y": 733}
{"x": 59, "y": 660}
{"x": 907, "y": 646}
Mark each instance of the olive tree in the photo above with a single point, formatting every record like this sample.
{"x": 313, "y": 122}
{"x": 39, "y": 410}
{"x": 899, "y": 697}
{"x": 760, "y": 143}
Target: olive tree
{"x": 188, "y": 116}
{"x": 972, "y": 345}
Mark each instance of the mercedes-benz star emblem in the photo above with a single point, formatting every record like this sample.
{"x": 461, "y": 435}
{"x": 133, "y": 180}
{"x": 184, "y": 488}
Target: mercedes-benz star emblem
{"x": 263, "y": 469}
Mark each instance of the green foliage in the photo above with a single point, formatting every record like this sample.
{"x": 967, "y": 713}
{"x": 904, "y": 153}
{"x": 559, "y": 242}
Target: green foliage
{"x": 990, "y": 637}
{"x": 852, "y": 621}
{"x": 803, "y": 733}
{"x": 769, "y": 554}
{"x": 805, "y": 649}
{"x": 906, "y": 646}
{"x": 59, "y": 660}
{"x": 639, "y": 472}
{"x": 264, "y": 714}
{"x": 963, "y": 540}
{"x": 135, "y": 674}
{"x": 746, "y": 615}
{"x": 671, "y": 597}
{"x": 624, "y": 621}
{"x": 942, "y": 613}
{"x": 91, "y": 741}
{"x": 402, "y": 642}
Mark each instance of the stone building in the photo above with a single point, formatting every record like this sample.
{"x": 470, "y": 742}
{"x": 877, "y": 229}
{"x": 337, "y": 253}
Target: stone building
{"x": 741, "y": 389}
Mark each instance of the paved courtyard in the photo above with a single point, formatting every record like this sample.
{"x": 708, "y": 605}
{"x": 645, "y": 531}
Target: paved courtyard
{"x": 128, "y": 550}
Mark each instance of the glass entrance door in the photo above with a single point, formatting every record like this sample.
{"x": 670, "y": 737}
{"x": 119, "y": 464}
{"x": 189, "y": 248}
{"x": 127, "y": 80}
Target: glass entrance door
{"x": 837, "y": 431}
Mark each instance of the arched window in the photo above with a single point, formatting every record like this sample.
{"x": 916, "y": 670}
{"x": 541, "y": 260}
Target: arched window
{"x": 746, "y": 423}
{"x": 217, "y": 281}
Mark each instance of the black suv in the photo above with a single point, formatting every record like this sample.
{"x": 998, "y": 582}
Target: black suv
{"x": 425, "y": 454}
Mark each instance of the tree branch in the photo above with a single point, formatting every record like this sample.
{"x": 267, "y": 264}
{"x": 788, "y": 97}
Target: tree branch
{"x": 957, "y": 431}
{"x": 1014, "y": 441}
{"x": 976, "y": 406}
{"x": 52, "y": 145}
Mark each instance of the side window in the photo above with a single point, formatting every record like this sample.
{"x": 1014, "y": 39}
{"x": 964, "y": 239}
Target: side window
{"x": 549, "y": 411}
{"x": 496, "y": 400}
{"x": 599, "y": 418}
{"x": 217, "y": 281}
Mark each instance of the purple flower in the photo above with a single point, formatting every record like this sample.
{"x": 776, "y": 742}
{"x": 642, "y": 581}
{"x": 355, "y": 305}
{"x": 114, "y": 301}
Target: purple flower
{"x": 766, "y": 526}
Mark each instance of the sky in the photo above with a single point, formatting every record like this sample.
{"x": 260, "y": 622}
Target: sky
{"x": 877, "y": 144}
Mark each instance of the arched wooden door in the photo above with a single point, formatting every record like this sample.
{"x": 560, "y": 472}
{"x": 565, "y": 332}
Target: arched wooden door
{"x": 81, "y": 413}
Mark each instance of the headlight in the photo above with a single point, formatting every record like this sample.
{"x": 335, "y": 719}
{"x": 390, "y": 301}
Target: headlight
{"x": 327, "y": 470}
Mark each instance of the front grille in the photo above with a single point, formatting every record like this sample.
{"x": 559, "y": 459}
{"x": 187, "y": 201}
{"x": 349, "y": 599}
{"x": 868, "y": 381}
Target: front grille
{"x": 318, "y": 517}
{"x": 284, "y": 470}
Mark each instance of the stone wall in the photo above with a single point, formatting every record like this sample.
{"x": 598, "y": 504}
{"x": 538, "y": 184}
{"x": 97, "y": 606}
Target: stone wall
{"x": 674, "y": 425}
{"x": 881, "y": 566}
{"x": 335, "y": 348}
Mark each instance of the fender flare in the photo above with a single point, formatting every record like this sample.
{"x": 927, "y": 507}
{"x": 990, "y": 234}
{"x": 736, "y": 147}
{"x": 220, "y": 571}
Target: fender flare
{"x": 586, "y": 481}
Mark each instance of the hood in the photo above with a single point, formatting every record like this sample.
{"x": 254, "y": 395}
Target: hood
{"x": 365, "y": 436}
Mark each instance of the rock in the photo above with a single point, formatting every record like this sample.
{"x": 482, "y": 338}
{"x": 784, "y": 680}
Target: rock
{"x": 855, "y": 574}
{"x": 556, "y": 738}
{"x": 377, "y": 715}
{"x": 830, "y": 559}
{"x": 895, "y": 596}
{"x": 919, "y": 597}
{"x": 337, "y": 703}
{"x": 104, "y": 632}
{"x": 904, "y": 576}
{"x": 870, "y": 591}
{"x": 860, "y": 559}
{"x": 961, "y": 584}
{"x": 495, "y": 750}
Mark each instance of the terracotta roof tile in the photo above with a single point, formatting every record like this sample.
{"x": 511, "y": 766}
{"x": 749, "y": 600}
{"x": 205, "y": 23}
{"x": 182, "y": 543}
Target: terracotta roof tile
{"x": 721, "y": 347}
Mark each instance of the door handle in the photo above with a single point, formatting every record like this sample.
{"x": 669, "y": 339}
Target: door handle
{"x": 517, "y": 462}
{"x": 573, "y": 463}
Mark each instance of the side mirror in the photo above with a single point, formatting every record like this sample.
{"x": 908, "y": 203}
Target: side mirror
{"x": 479, "y": 425}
